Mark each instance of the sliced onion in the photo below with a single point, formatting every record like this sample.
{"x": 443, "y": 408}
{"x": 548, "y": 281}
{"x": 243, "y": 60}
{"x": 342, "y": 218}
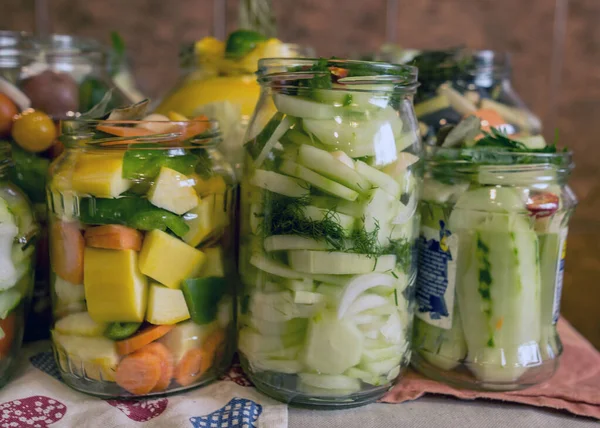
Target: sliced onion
{"x": 366, "y": 302}
{"x": 359, "y": 285}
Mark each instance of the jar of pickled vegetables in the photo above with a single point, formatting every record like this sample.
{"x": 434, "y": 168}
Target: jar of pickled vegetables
{"x": 328, "y": 228}
{"x": 42, "y": 80}
{"x": 141, "y": 256}
{"x": 219, "y": 81}
{"x": 18, "y": 233}
{"x": 494, "y": 219}
{"x": 460, "y": 82}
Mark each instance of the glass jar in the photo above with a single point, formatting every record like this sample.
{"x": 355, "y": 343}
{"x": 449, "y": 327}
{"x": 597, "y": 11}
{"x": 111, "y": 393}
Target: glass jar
{"x": 328, "y": 227}
{"x": 223, "y": 87}
{"x": 43, "y": 80}
{"x": 460, "y": 82}
{"x": 491, "y": 261}
{"x": 140, "y": 218}
{"x": 18, "y": 233}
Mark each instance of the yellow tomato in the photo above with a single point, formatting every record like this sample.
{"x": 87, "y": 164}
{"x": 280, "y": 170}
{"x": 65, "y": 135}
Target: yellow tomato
{"x": 242, "y": 90}
{"x": 34, "y": 131}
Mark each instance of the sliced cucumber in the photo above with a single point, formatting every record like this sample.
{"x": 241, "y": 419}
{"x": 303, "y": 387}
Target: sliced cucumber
{"x": 327, "y": 165}
{"x": 294, "y": 242}
{"x": 436, "y": 191}
{"x": 317, "y": 180}
{"x": 251, "y": 342}
{"x": 332, "y": 294}
{"x": 284, "y": 328}
{"x": 330, "y": 381}
{"x": 296, "y": 285}
{"x": 444, "y": 349}
{"x": 358, "y": 285}
{"x": 297, "y": 137}
{"x": 432, "y": 105}
{"x": 332, "y": 345}
{"x": 308, "y": 297}
{"x": 340, "y": 279}
{"x": 378, "y": 212}
{"x": 279, "y": 307}
{"x": 319, "y": 214}
{"x": 281, "y": 129}
{"x": 381, "y": 368}
{"x": 298, "y": 107}
{"x": 279, "y": 183}
{"x": 458, "y": 102}
{"x": 274, "y": 267}
{"x": 365, "y": 376}
{"x": 320, "y": 262}
{"x": 534, "y": 142}
{"x": 379, "y": 179}
{"x": 353, "y": 209}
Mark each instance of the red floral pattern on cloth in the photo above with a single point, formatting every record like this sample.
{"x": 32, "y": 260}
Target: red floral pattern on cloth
{"x": 237, "y": 375}
{"x": 140, "y": 411}
{"x": 36, "y": 411}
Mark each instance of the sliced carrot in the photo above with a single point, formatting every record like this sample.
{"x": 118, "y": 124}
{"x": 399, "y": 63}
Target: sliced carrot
{"x": 145, "y": 336}
{"x": 197, "y": 126}
{"x": 193, "y": 364}
{"x": 166, "y": 363}
{"x": 197, "y": 361}
{"x": 114, "y": 237}
{"x": 489, "y": 119}
{"x": 139, "y": 372}
{"x": 499, "y": 323}
{"x": 66, "y": 251}
{"x": 214, "y": 341}
{"x": 124, "y": 131}
{"x": 8, "y": 327}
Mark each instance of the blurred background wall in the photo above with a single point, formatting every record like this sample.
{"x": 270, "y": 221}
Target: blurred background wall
{"x": 154, "y": 29}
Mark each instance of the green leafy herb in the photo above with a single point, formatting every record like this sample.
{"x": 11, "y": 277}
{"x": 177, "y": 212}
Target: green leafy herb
{"x": 145, "y": 163}
{"x": 287, "y": 217}
{"x": 403, "y": 249}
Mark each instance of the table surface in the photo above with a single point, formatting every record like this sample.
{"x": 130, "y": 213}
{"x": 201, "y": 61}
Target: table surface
{"x": 438, "y": 411}
{"x": 422, "y": 413}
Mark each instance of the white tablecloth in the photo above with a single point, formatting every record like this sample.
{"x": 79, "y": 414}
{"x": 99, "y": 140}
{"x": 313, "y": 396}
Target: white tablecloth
{"x": 36, "y": 398}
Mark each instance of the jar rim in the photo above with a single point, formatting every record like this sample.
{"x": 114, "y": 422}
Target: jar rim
{"x": 80, "y": 133}
{"x": 402, "y": 76}
{"x": 21, "y": 44}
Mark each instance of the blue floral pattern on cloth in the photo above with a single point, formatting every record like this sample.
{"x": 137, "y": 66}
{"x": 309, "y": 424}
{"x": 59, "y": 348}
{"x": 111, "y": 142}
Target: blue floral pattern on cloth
{"x": 238, "y": 413}
{"x": 44, "y": 361}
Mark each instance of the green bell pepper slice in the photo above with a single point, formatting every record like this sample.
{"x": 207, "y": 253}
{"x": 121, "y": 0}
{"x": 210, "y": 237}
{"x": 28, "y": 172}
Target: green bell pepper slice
{"x": 202, "y": 296}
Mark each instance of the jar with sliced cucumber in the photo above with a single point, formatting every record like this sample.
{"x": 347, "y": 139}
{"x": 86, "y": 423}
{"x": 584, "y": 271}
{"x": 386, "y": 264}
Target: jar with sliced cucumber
{"x": 494, "y": 221}
{"x": 142, "y": 255}
{"x": 18, "y": 235}
{"x": 328, "y": 227}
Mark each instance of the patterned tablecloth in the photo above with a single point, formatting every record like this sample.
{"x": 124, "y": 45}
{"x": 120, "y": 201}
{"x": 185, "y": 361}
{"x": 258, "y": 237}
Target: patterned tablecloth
{"x": 37, "y": 398}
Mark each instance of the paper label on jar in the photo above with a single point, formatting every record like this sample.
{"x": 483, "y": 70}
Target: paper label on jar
{"x": 560, "y": 269}
{"x": 436, "y": 281}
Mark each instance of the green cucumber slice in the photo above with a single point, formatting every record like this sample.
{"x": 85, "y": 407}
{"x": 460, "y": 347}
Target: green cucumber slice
{"x": 321, "y": 262}
{"x": 273, "y": 267}
{"x": 308, "y": 297}
{"x": 365, "y": 376}
{"x": 294, "y": 242}
{"x": 381, "y": 354}
{"x": 380, "y": 368}
{"x": 284, "y": 328}
{"x": 303, "y": 108}
{"x": 379, "y": 179}
{"x": 279, "y": 366}
{"x": 279, "y": 183}
{"x": 317, "y": 180}
{"x": 326, "y": 164}
{"x": 281, "y": 129}
{"x": 332, "y": 346}
{"x": 346, "y": 222}
{"x": 250, "y": 342}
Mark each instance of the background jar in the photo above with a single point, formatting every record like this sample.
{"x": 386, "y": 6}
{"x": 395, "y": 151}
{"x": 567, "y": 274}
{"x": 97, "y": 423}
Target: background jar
{"x": 141, "y": 255}
{"x": 18, "y": 234}
{"x": 43, "y": 80}
{"x": 328, "y": 225}
{"x": 492, "y": 253}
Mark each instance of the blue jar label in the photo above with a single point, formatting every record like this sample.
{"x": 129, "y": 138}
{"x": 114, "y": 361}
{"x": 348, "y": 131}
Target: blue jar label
{"x": 436, "y": 281}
